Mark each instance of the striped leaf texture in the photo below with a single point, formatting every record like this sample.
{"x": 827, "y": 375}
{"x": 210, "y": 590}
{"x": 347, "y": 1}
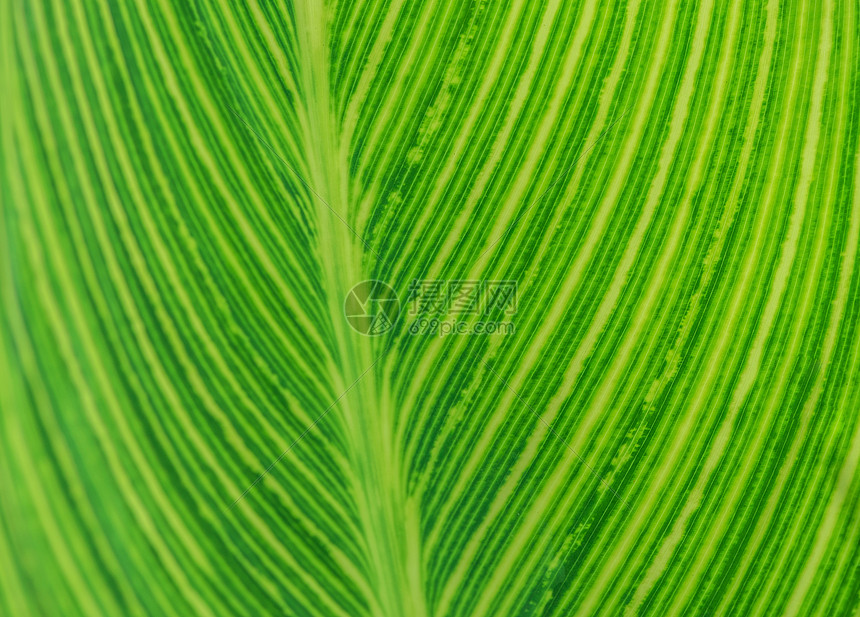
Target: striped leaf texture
{"x": 206, "y": 412}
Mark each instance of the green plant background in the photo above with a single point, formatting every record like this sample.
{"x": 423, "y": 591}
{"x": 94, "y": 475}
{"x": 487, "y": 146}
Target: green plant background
{"x": 190, "y": 426}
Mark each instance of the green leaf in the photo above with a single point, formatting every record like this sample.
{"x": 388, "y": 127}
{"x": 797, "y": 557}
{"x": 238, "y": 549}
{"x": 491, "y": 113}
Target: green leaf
{"x": 429, "y": 309}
